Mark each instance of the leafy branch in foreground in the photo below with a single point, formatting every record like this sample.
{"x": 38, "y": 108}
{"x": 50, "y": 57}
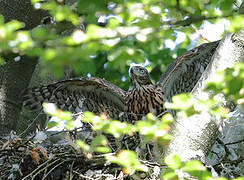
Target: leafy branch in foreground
{"x": 151, "y": 128}
{"x": 230, "y": 83}
{"x": 128, "y": 160}
{"x": 192, "y": 169}
{"x": 134, "y": 31}
{"x": 178, "y": 169}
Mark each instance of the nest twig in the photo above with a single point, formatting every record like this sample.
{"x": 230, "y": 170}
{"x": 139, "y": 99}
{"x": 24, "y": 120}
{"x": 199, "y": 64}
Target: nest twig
{"x": 25, "y": 159}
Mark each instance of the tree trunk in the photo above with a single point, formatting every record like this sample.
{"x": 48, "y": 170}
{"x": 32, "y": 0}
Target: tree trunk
{"x": 227, "y": 152}
{"x": 15, "y": 76}
{"x": 21, "y": 10}
{"x": 193, "y": 137}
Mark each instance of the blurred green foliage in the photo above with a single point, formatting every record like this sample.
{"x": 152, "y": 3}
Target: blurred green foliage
{"x": 128, "y": 160}
{"x": 194, "y": 168}
{"x": 230, "y": 82}
{"x": 133, "y": 31}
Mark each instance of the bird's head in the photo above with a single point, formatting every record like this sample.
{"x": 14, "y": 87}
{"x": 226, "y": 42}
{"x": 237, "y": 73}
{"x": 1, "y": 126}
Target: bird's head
{"x": 139, "y": 76}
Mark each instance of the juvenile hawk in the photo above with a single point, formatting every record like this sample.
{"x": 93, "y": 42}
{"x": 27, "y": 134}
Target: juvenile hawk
{"x": 99, "y": 96}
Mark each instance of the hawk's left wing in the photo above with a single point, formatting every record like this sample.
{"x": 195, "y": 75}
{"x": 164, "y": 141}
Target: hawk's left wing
{"x": 184, "y": 72}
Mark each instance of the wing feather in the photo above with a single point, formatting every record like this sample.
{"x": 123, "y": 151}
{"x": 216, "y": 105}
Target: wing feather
{"x": 78, "y": 95}
{"x": 184, "y": 72}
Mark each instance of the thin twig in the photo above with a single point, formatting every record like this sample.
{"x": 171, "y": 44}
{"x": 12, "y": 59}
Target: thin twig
{"x": 191, "y": 20}
{"x": 38, "y": 170}
{"x": 71, "y": 170}
{"x": 34, "y": 121}
{"x": 54, "y": 168}
{"x": 236, "y": 142}
{"x": 83, "y": 176}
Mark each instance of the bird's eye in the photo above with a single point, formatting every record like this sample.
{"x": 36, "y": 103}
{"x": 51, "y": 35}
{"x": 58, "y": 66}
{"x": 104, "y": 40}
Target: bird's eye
{"x": 142, "y": 71}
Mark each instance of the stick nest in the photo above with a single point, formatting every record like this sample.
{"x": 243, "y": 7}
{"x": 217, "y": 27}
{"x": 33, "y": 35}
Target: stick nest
{"x": 26, "y": 158}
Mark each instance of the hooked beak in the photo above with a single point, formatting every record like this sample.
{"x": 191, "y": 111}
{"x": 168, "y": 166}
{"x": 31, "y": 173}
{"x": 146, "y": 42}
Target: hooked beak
{"x": 131, "y": 69}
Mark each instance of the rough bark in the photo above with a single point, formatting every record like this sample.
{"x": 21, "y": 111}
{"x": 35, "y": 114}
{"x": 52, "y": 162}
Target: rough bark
{"x": 15, "y": 76}
{"x": 21, "y": 10}
{"x": 228, "y": 151}
{"x": 227, "y": 155}
{"x": 193, "y": 137}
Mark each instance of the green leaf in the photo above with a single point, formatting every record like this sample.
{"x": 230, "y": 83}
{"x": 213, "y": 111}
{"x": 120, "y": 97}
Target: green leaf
{"x": 168, "y": 118}
{"x": 169, "y": 174}
{"x": 83, "y": 145}
{"x": 1, "y": 19}
{"x": 84, "y": 67}
{"x": 129, "y": 160}
{"x": 14, "y": 25}
{"x": 180, "y": 51}
{"x": 49, "y": 54}
{"x": 225, "y": 5}
{"x": 184, "y": 102}
{"x": 99, "y": 140}
{"x": 210, "y": 155}
{"x": 101, "y": 149}
{"x": 239, "y": 178}
{"x": 2, "y": 61}
{"x": 236, "y": 23}
{"x": 39, "y": 33}
{"x": 196, "y": 169}
{"x": 51, "y": 124}
{"x": 193, "y": 165}
{"x": 173, "y": 161}
{"x": 113, "y": 23}
{"x": 117, "y": 128}
{"x": 235, "y": 84}
{"x": 88, "y": 116}
{"x": 222, "y": 178}
{"x": 35, "y": 1}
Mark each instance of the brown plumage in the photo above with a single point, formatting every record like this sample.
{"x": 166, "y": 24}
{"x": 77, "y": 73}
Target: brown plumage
{"x": 100, "y": 96}
{"x": 142, "y": 97}
{"x": 78, "y": 95}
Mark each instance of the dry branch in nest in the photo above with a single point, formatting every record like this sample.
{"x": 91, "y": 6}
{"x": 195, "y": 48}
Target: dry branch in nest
{"x": 28, "y": 159}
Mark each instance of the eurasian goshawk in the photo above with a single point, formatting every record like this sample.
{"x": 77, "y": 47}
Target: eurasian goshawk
{"x": 99, "y": 96}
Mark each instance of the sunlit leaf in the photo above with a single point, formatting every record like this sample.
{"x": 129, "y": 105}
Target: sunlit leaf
{"x": 83, "y": 145}
{"x": 236, "y": 23}
{"x": 167, "y": 118}
{"x": 1, "y": 19}
{"x": 194, "y": 165}
{"x": 129, "y": 160}
{"x": 168, "y": 175}
{"x": 173, "y": 161}
{"x": 2, "y": 61}
{"x": 99, "y": 140}
{"x": 51, "y": 124}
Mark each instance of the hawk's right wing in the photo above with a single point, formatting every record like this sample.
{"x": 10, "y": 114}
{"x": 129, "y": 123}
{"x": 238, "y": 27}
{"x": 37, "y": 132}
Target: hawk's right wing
{"x": 79, "y": 95}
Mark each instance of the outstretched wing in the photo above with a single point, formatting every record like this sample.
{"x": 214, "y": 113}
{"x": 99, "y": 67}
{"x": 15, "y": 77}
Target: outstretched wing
{"x": 184, "y": 72}
{"x": 79, "y": 95}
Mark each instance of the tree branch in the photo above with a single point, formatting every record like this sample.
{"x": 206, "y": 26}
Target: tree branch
{"x": 190, "y": 20}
